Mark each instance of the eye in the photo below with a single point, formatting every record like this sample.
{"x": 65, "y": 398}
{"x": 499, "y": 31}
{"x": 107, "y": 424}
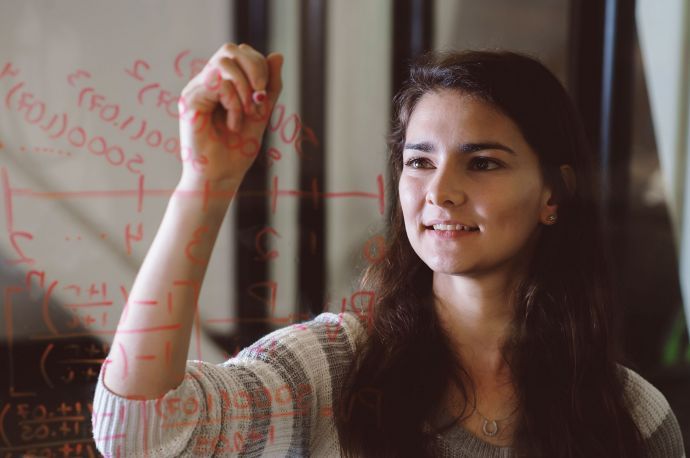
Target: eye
{"x": 416, "y": 162}
{"x": 484, "y": 163}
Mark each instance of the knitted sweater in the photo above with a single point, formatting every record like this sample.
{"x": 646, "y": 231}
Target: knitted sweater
{"x": 275, "y": 399}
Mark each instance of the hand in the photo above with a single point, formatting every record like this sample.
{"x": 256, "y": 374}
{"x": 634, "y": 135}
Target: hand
{"x": 221, "y": 123}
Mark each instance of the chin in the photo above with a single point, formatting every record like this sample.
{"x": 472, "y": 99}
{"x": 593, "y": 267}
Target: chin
{"x": 447, "y": 268}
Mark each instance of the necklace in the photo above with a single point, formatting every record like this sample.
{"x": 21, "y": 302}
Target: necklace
{"x": 490, "y": 427}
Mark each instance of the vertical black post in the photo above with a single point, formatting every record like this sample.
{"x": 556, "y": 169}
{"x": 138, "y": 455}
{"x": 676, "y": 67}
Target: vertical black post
{"x": 251, "y": 24}
{"x": 616, "y": 114}
{"x": 412, "y": 36}
{"x": 586, "y": 57}
{"x": 312, "y": 213}
{"x": 615, "y": 138}
{"x": 600, "y": 80}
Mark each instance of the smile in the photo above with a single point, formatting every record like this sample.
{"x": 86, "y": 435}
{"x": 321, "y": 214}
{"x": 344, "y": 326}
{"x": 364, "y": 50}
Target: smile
{"x": 452, "y": 227}
{"x": 444, "y": 234}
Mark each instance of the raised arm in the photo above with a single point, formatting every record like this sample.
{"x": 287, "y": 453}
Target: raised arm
{"x": 224, "y": 112}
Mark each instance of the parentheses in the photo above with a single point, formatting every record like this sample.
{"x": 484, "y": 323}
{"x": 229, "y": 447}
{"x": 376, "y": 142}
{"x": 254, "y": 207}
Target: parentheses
{"x": 148, "y": 87}
{"x": 179, "y": 58}
{"x": 50, "y": 124}
{"x": 82, "y": 93}
{"x": 2, "y": 424}
{"x": 44, "y": 372}
{"x": 63, "y": 129}
{"x": 138, "y": 135}
{"x": 44, "y": 308}
{"x": 11, "y": 92}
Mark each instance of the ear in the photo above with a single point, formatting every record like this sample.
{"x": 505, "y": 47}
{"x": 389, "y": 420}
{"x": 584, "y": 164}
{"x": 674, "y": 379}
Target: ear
{"x": 549, "y": 205}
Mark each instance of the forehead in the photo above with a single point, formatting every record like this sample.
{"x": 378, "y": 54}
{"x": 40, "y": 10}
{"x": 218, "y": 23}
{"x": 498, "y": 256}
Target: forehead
{"x": 449, "y": 115}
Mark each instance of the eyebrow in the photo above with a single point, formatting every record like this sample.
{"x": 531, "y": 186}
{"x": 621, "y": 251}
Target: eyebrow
{"x": 466, "y": 148}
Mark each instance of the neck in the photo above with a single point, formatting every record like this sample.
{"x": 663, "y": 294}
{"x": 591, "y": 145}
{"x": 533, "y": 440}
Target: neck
{"x": 476, "y": 314}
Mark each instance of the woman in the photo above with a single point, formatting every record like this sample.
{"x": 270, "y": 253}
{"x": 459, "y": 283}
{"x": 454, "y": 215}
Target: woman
{"x": 491, "y": 331}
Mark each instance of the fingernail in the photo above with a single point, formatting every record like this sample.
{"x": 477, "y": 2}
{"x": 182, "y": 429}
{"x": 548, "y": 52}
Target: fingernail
{"x": 259, "y": 96}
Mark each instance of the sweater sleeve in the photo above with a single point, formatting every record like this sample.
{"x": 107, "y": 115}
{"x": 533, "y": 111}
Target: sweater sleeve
{"x": 273, "y": 399}
{"x": 654, "y": 417}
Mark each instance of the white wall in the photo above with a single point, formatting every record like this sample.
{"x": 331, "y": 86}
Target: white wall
{"x": 285, "y": 30}
{"x": 78, "y": 239}
{"x": 664, "y": 35}
{"x": 359, "y": 103}
{"x": 536, "y": 27}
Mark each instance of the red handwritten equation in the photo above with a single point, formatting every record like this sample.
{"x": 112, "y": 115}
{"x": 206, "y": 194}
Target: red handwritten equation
{"x": 133, "y": 232}
{"x": 61, "y": 429}
{"x": 19, "y": 99}
{"x": 124, "y": 140}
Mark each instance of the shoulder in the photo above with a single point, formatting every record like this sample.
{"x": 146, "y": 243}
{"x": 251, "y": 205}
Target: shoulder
{"x": 653, "y": 415}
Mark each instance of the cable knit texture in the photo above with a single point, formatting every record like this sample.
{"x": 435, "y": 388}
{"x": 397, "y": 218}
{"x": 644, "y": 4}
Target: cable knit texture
{"x": 275, "y": 398}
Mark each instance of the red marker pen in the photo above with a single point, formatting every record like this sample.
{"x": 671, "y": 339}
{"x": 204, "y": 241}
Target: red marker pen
{"x": 259, "y": 96}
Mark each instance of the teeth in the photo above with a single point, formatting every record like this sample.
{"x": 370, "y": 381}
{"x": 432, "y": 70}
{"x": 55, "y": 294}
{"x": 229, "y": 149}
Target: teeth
{"x": 452, "y": 227}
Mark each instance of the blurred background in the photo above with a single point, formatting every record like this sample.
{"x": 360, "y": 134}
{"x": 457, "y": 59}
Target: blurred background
{"x": 89, "y": 155}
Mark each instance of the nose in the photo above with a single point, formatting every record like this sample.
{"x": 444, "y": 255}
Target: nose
{"x": 445, "y": 189}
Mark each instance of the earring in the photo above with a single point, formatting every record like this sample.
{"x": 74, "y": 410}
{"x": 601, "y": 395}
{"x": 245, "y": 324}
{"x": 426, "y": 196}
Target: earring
{"x": 551, "y": 219}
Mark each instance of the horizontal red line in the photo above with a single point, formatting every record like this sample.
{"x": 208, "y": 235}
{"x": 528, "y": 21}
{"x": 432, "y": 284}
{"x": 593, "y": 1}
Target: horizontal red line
{"x": 350, "y": 194}
{"x": 170, "y": 192}
{"x": 52, "y": 419}
{"x": 107, "y": 332}
{"x": 105, "y": 193}
{"x": 92, "y": 304}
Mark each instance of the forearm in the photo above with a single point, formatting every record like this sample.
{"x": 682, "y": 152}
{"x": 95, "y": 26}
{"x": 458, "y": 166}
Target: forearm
{"x": 220, "y": 136}
{"x": 149, "y": 351}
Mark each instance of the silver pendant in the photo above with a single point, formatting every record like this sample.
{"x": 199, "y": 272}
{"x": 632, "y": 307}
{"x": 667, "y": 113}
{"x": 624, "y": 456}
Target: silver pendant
{"x": 490, "y": 431}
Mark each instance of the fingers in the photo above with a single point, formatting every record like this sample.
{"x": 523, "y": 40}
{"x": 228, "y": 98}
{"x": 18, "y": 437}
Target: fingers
{"x": 249, "y": 62}
{"x": 231, "y": 72}
{"x": 264, "y": 101}
{"x": 242, "y": 80}
{"x": 232, "y": 104}
{"x": 253, "y": 61}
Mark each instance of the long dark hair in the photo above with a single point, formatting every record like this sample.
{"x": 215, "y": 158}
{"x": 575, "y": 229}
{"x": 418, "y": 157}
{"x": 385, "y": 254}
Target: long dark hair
{"x": 562, "y": 348}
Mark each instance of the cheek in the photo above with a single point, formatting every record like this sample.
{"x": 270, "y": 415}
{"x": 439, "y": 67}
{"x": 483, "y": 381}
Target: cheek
{"x": 411, "y": 209}
{"x": 515, "y": 212}
{"x": 409, "y": 200}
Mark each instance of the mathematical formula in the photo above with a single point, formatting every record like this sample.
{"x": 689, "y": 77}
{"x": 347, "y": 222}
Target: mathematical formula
{"x": 120, "y": 138}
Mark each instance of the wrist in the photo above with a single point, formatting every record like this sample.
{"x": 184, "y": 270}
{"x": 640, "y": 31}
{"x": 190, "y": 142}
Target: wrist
{"x": 192, "y": 181}
{"x": 208, "y": 192}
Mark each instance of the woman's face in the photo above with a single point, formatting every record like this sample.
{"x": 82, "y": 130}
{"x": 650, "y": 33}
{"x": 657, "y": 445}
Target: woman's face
{"x": 465, "y": 163}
